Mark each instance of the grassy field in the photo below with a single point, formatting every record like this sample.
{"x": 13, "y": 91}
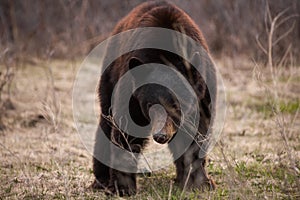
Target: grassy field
{"x": 257, "y": 157}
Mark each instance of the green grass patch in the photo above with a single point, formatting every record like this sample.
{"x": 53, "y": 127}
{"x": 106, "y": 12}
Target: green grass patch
{"x": 268, "y": 178}
{"x": 284, "y": 79}
{"x": 290, "y": 107}
{"x": 269, "y": 109}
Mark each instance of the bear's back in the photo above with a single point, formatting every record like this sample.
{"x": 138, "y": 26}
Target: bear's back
{"x": 161, "y": 14}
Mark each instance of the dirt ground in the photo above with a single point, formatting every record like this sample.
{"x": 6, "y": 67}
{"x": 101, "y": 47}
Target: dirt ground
{"x": 257, "y": 157}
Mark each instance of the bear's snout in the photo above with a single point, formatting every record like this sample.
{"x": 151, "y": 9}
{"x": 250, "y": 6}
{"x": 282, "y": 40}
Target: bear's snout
{"x": 164, "y": 134}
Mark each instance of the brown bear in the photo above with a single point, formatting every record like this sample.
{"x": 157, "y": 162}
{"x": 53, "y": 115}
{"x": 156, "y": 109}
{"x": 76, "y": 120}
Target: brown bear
{"x": 190, "y": 168}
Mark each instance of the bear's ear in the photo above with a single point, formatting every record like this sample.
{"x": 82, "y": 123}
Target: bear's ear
{"x": 134, "y": 62}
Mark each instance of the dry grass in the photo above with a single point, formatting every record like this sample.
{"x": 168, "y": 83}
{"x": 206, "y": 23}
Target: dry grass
{"x": 257, "y": 157}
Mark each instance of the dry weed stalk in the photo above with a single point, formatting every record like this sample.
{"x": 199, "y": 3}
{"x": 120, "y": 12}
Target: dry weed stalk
{"x": 236, "y": 183}
{"x": 273, "y": 96}
{"x": 6, "y": 77}
{"x": 185, "y": 183}
{"x": 170, "y": 190}
{"x": 272, "y": 24}
{"x": 51, "y": 106}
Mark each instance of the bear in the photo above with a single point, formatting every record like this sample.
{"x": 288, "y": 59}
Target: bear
{"x": 190, "y": 168}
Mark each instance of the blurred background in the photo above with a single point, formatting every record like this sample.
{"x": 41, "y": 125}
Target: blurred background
{"x": 255, "y": 45}
{"x": 67, "y": 28}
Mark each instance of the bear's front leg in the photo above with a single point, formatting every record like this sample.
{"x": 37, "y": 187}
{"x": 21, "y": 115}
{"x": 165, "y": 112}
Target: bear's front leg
{"x": 122, "y": 183}
{"x": 124, "y": 149}
{"x": 100, "y": 170}
{"x": 190, "y": 170}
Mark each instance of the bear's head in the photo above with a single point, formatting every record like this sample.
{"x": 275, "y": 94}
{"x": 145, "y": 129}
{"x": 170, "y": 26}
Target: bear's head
{"x": 154, "y": 104}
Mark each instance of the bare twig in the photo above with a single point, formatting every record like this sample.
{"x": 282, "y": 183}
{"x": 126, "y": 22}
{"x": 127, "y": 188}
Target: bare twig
{"x": 170, "y": 190}
{"x": 272, "y": 24}
{"x": 285, "y": 55}
{"x": 284, "y": 34}
{"x": 260, "y": 45}
{"x": 186, "y": 181}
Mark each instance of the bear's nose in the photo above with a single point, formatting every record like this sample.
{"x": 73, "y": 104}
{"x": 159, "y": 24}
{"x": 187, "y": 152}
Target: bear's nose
{"x": 160, "y": 138}
{"x": 158, "y": 118}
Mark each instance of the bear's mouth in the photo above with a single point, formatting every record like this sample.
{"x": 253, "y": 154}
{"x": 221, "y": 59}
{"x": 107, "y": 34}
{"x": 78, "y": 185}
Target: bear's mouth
{"x": 160, "y": 138}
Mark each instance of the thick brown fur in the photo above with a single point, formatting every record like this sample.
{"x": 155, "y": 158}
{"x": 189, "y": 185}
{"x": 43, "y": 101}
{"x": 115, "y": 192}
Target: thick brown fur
{"x": 165, "y": 15}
